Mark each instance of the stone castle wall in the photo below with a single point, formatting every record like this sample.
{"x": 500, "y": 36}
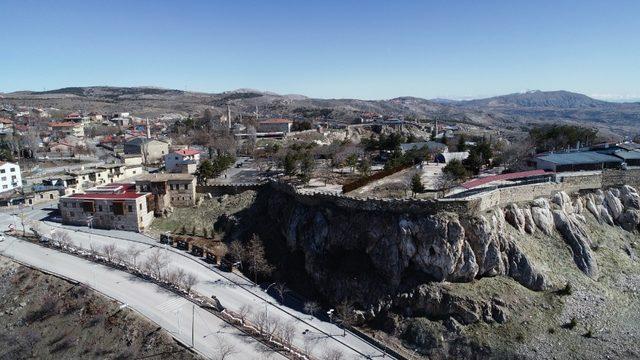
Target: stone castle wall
{"x": 567, "y": 182}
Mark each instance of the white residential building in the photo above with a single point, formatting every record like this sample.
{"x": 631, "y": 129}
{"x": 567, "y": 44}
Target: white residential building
{"x": 10, "y": 177}
{"x": 182, "y": 161}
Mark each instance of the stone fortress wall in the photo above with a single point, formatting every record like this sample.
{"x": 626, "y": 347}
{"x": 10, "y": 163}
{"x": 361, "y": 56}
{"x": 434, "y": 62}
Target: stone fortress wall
{"x": 568, "y": 182}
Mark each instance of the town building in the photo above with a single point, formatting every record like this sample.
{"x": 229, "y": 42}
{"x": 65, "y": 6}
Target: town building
{"x": 66, "y": 128}
{"x": 576, "y": 161}
{"x": 152, "y": 151}
{"x": 131, "y": 159}
{"x": 630, "y": 157}
{"x": 105, "y": 174}
{"x": 168, "y": 190}
{"x": 120, "y": 121}
{"x": 75, "y": 117}
{"x": 10, "y": 177}
{"x": 182, "y": 161}
{"x": 39, "y": 197}
{"x": 432, "y": 146}
{"x": 113, "y": 206}
{"x": 6, "y": 126}
{"x": 275, "y": 126}
{"x": 446, "y": 157}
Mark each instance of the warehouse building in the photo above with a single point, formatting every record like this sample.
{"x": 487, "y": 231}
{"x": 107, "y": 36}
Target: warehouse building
{"x": 576, "y": 161}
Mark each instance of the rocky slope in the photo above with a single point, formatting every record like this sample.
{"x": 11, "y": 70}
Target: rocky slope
{"x": 44, "y": 317}
{"x": 451, "y": 284}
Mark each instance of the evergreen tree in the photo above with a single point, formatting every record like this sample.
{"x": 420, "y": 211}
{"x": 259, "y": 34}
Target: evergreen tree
{"x": 416, "y": 184}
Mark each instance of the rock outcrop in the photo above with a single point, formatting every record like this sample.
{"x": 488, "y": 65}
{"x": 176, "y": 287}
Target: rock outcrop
{"x": 579, "y": 241}
{"x": 435, "y": 302}
{"x": 367, "y": 255}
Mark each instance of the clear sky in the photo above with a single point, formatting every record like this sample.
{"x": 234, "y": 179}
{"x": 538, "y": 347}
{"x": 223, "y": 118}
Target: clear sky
{"x": 373, "y": 49}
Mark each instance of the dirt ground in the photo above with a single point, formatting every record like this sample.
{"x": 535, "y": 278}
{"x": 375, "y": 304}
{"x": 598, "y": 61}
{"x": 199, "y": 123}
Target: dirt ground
{"x": 45, "y": 317}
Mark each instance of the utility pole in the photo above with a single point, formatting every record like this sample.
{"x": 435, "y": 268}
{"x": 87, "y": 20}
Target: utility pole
{"x": 193, "y": 328}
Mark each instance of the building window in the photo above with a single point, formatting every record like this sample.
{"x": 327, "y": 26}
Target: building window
{"x": 170, "y": 185}
{"x": 73, "y": 205}
{"x": 13, "y": 169}
{"x": 41, "y": 196}
{"x": 140, "y": 206}
{"x": 186, "y": 186}
{"x": 2, "y": 171}
{"x": 71, "y": 213}
{"x": 130, "y": 208}
{"x": 4, "y": 178}
{"x": 64, "y": 204}
{"x": 99, "y": 207}
{"x": 51, "y": 196}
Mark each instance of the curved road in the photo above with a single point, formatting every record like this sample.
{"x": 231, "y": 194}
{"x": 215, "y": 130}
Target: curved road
{"x": 233, "y": 291}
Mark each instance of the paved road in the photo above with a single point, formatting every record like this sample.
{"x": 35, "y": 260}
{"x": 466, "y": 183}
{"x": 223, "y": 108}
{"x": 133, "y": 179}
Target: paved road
{"x": 173, "y": 313}
{"x": 233, "y": 291}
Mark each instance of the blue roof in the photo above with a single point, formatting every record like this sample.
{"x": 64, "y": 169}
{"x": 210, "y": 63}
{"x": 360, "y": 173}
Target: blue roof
{"x": 582, "y": 157}
{"x": 628, "y": 155}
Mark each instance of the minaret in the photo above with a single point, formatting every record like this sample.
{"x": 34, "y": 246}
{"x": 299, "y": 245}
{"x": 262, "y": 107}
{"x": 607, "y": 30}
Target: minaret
{"x": 228, "y": 117}
{"x": 435, "y": 128}
{"x": 148, "y": 130}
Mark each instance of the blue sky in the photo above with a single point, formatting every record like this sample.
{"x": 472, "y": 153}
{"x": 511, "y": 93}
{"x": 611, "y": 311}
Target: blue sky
{"x": 332, "y": 49}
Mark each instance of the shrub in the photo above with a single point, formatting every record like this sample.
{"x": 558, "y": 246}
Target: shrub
{"x": 566, "y": 290}
{"x": 571, "y": 324}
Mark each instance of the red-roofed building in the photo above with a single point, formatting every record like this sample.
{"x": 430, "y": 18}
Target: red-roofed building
{"x": 182, "y": 161}
{"x": 73, "y": 117}
{"x": 65, "y": 128}
{"x": 113, "y": 206}
{"x": 275, "y": 126}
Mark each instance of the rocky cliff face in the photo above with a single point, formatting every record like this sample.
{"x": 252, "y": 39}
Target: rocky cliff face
{"x": 369, "y": 256}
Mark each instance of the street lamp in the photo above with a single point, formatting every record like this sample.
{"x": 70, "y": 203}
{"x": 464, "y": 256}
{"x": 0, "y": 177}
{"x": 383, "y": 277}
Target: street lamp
{"x": 89, "y": 224}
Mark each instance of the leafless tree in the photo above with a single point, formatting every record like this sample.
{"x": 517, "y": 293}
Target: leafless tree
{"x": 333, "y": 354}
{"x": 281, "y": 289}
{"x": 273, "y": 326}
{"x": 287, "y": 333}
{"x": 256, "y": 258}
{"x": 261, "y": 321}
{"x": 134, "y": 253}
{"x": 445, "y": 181}
{"x": 94, "y": 249}
{"x": 236, "y": 251}
{"x": 244, "y": 312}
{"x": 36, "y": 228}
{"x": 189, "y": 281}
{"x": 308, "y": 344}
{"x": 62, "y": 238}
{"x": 311, "y": 308}
{"x": 346, "y": 315}
{"x": 225, "y": 349}
{"x": 110, "y": 251}
{"x": 156, "y": 263}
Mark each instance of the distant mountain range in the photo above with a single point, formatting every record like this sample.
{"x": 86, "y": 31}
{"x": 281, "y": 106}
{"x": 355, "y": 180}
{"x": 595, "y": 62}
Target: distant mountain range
{"x": 512, "y": 110}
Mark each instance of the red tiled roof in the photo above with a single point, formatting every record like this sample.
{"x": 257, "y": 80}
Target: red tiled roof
{"x": 517, "y": 175}
{"x": 187, "y": 152}
{"x": 122, "y": 196}
{"x": 276, "y": 121}
{"x": 63, "y": 124}
{"x": 5, "y": 121}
